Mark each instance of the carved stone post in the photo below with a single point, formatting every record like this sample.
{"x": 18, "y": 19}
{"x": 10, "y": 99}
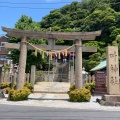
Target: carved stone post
{"x": 32, "y": 78}
{"x": 51, "y": 43}
{"x": 72, "y": 75}
{"x": 22, "y": 63}
{"x": 0, "y": 76}
{"x": 113, "y": 83}
{"x": 78, "y": 64}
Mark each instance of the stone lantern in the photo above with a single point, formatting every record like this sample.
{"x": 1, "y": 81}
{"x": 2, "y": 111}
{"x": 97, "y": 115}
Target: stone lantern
{"x": 84, "y": 73}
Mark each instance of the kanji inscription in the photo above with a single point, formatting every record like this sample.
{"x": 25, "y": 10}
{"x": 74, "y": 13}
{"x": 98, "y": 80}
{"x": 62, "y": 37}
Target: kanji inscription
{"x": 112, "y": 70}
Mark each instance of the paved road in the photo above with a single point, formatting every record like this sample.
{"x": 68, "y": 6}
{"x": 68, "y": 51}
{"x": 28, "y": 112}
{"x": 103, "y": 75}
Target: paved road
{"x": 15, "y": 112}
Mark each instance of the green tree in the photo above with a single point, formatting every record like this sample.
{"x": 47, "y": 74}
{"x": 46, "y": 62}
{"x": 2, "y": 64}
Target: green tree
{"x": 88, "y": 15}
{"x": 26, "y": 23}
{"x": 116, "y": 42}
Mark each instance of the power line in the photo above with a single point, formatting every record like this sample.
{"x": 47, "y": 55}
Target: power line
{"x": 46, "y": 3}
{"x": 27, "y": 7}
{"x": 41, "y": 3}
{"x": 35, "y": 3}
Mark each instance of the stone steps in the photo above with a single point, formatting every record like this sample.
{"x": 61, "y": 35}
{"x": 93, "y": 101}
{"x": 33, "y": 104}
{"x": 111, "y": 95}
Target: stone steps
{"x": 62, "y": 72}
{"x": 99, "y": 93}
{"x": 51, "y": 87}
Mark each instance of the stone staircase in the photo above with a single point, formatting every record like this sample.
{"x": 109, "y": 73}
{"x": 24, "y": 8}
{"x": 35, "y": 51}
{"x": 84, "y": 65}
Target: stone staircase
{"x": 62, "y": 72}
{"x": 100, "y": 91}
{"x": 51, "y": 87}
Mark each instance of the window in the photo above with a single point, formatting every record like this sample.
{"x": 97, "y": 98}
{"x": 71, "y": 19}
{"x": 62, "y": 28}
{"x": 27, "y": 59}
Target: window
{"x": 3, "y": 44}
{"x": 2, "y": 57}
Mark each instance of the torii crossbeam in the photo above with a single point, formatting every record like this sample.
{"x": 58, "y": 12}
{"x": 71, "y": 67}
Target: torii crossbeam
{"x": 51, "y": 36}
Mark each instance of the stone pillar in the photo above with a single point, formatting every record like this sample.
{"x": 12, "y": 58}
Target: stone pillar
{"x": 12, "y": 80}
{"x": 51, "y": 43}
{"x": 72, "y": 76}
{"x": 78, "y": 64}
{"x": 22, "y": 63}
{"x": 28, "y": 76}
{"x": 113, "y": 84}
{"x": 0, "y": 75}
{"x": 32, "y": 76}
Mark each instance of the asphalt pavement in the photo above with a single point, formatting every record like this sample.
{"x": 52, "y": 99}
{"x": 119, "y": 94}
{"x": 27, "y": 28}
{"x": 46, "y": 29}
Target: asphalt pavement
{"x": 18, "y": 112}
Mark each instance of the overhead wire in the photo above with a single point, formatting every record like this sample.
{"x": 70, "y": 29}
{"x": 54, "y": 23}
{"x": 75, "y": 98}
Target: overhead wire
{"x": 35, "y": 3}
{"x": 7, "y": 6}
{"x": 9, "y": 3}
{"x": 26, "y": 7}
{"x": 44, "y": 2}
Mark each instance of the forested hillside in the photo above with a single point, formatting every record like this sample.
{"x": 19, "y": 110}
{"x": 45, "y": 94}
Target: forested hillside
{"x": 88, "y": 15}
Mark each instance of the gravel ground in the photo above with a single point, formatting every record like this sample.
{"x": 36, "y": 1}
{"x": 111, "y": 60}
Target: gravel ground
{"x": 59, "y": 101}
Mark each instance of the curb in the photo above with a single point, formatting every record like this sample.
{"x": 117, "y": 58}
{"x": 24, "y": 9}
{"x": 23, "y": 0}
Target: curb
{"x": 107, "y": 103}
{"x": 50, "y": 92}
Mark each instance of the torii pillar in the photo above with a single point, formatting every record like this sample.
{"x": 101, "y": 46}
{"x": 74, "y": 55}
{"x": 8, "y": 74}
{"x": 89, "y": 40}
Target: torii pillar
{"x": 78, "y": 64}
{"x": 22, "y": 63}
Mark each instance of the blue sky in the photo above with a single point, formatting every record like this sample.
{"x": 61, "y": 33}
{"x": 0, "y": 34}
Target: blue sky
{"x": 12, "y": 10}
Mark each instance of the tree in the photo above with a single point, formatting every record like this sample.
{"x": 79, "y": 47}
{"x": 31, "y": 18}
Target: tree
{"x": 116, "y": 42}
{"x": 26, "y": 23}
{"x": 88, "y": 15}
{"x": 94, "y": 58}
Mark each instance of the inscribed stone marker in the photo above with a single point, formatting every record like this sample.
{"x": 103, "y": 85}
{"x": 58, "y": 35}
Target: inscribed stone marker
{"x": 112, "y": 71}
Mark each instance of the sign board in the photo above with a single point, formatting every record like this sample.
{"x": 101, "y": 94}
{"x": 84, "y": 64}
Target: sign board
{"x": 100, "y": 82}
{"x": 100, "y": 79}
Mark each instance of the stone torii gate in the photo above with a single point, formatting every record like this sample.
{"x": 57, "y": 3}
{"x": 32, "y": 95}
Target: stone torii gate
{"x": 51, "y": 37}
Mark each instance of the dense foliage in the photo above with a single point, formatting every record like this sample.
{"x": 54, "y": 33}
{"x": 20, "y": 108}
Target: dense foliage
{"x": 19, "y": 95}
{"x": 29, "y": 86}
{"x": 90, "y": 86}
{"x": 88, "y": 15}
{"x": 5, "y": 85}
{"x": 80, "y": 95}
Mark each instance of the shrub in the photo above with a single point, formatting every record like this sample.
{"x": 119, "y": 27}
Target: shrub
{"x": 5, "y": 85}
{"x": 14, "y": 86}
{"x": 29, "y": 86}
{"x": 18, "y": 95}
{"x": 72, "y": 87}
{"x": 80, "y": 95}
{"x": 7, "y": 89}
{"x": 90, "y": 86}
